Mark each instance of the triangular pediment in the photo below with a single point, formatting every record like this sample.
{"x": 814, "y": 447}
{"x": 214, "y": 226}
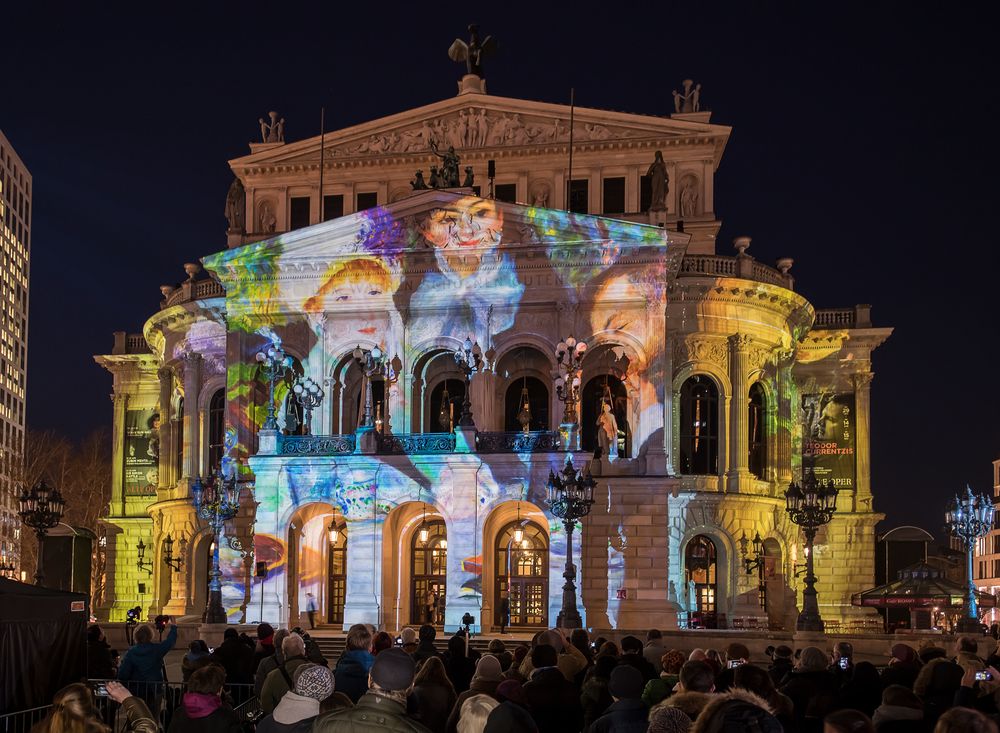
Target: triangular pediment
{"x": 479, "y": 122}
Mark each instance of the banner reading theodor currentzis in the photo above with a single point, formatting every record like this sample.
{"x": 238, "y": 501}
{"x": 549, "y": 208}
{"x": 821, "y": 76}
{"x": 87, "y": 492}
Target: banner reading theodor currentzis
{"x": 828, "y": 437}
{"x": 142, "y": 452}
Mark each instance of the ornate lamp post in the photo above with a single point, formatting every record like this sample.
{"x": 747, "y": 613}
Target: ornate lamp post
{"x": 274, "y": 363}
{"x": 41, "y": 509}
{"x": 309, "y": 395}
{"x": 374, "y": 363}
{"x": 175, "y": 563}
{"x": 142, "y": 563}
{"x": 469, "y": 358}
{"x": 571, "y": 494}
{"x": 968, "y": 518}
{"x": 810, "y": 506}
{"x": 569, "y": 359}
{"x": 216, "y": 501}
{"x": 755, "y": 562}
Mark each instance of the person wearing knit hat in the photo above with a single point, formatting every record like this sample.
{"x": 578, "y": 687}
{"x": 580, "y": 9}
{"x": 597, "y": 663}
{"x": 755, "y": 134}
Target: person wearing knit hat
{"x": 513, "y": 691}
{"x": 499, "y": 650}
{"x": 628, "y": 711}
{"x": 299, "y": 707}
{"x": 664, "y": 719}
{"x": 904, "y": 665}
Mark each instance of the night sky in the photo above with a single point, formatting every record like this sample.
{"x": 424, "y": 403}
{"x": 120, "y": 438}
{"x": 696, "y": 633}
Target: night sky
{"x": 863, "y": 146}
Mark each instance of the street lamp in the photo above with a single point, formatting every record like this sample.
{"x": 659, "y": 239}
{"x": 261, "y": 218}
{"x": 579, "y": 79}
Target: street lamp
{"x": 569, "y": 363}
{"x": 6, "y": 568}
{"x": 571, "y": 494}
{"x": 374, "y": 363}
{"x": 41, "y": 509}
{"x": 810, "y": 506}
{"x": 469, "y": 358}
{"x": 274, "y": 363}
{"x": 216, "y": 501}
{"x": 141, "y": 562}
{"x": 168, "y": 555}
{"x": 309, "y": 395}
{"x": 755, "y": 562}
{"x": 968, "y": 518}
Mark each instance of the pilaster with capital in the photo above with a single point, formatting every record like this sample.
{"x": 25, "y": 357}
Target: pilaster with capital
{"x": 862, "y": 436}
{"x": 786, "y": 406}
{"x": 668, "y": 405}
{"x": 120, "y": 400}
{"x": 653, "y": 388}
{"x": 166, "y": 377}
{"x": 739, "y": 345}
{"x": 192, "y": 386}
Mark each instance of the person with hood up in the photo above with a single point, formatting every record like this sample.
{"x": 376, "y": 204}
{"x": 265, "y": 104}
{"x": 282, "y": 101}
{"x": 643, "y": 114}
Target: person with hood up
{"x": 355, "y": 663}
{"x": 484, "y": 682}
{"x": 197, "y": 657}
{"x": 144, "y": 661}
{"x": 812, "y": 688}
{"x": 299, "y": 707}
{"x": 281, "y": 680}
{"x": 552, "y": 698}
{"x": 904, "y": 665}
{"x": 781, "y": 664}
{"x": 694, "y": 690}
{"x": 738, "y": 711}
{"x": 202, "y": 709}
{"x": 900, "y": 711}
{"x": 383, "y": 706}
{"x": 235, "y": 657}
{"x": 628, "y": 713}
{"x": 432, "y": 697}
{"x": 595, "y": 697}
{"x": 271, "y": 663}
{"x": 458, "y": 665}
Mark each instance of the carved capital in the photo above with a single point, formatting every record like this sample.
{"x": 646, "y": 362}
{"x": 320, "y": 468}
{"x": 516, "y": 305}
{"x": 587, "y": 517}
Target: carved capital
{"x": 862, "y": 380}
{"x": 740, "y": 341}
{"x": 699, "y": 349}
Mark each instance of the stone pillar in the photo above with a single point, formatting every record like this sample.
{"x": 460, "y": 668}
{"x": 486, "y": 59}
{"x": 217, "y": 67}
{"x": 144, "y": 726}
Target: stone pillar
{"x": 464, "y": 538}
{"x": 862, "y": 438}
{"x": 482, "y": 394}
{"x": 668, "y": 407}
{"x": 120, "y": 400}
{"x": 166, "y": 479}
{"x": 364, "y": 571}
{"x": 739, "y": 413}
{"x": 192, "y": 385}
{"x": 651, "y": 432}
{"x": 787, "y": 414}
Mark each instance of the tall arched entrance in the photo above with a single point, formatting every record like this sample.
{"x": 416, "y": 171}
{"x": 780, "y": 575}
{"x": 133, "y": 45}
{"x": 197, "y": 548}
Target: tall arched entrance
{"x": 317, "y": 563}
{"x": 429, "y": 572}
{"x": 700, "y": 574}
{"x": 775, "y": 588}
{"x": 522, "y": 572}
{"x": 336, "y": 566}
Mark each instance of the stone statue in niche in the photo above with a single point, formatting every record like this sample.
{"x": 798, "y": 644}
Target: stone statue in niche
{"x": 469, "y": 177}
{"x": 418, "y": 183}
{"x": 540, "y": 194}
{"x": 273, "y": 132}
{"x": 449, "y": 167}
{"x": 266, "y": 220}
{"x": 659, "y": 183}
{"x": 236, "y": 204}
{"x": 472, "y": 52}
{"x": 690, "y": 99}
{"x": 607, "y": 432}
{"x": 689, "y": 197}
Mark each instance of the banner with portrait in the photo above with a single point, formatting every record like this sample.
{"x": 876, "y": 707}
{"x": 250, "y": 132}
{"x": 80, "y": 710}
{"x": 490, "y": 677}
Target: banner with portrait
{"x": 142, "y": 452}
{"x": 828, "y": 437}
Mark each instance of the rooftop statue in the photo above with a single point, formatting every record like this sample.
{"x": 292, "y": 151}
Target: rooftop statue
{"x": 690, "y": 99}
{"x": 449, "y": 169}
{"x": 273, "y": 132}
{"x": 473, "y": 51}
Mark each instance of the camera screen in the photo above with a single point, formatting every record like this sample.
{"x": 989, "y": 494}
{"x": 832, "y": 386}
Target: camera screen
{"x": 101, "y": 689}
{"x": 734, "y": 663}
{"x": 983, "y": 676}
{"x": 844, "y": 661}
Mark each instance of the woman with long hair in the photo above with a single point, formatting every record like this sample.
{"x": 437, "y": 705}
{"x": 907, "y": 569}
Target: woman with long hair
{"x": 433, "y": 695}
{"x": 73, "y": 711}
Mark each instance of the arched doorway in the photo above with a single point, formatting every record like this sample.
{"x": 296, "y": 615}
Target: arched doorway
{"x": 336, "y": 564}
{"x": 522, "y": 570}
{"x": 600, "y": 389}
{"x": 526, "y": 399}
{"x": 700, "y": 566}
{"x": 774, "y": 585}
{"x": 429, "y": 566}
{"x": 444, "y": 407}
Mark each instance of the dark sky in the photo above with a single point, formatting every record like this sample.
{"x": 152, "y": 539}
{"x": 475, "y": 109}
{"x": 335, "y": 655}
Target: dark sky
{"x": 863, "y": 146}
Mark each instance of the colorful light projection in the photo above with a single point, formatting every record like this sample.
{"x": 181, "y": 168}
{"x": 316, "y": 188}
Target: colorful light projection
{"x": 484, "y": 267}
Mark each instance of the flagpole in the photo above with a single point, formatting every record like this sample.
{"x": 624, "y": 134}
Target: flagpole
{"x": 569, "y": 182}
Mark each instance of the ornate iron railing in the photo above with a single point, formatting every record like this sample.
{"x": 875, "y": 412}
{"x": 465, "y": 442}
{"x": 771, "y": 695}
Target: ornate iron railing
{"x": 316, "y": 445}
{"x": 411, "y": 444}
{"x": 539, "y": 441}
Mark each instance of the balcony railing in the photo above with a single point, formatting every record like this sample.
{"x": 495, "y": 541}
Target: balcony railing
{"x": 316, "y": 445}
{"x": 745, "y": 267}
{"x": 540, "y": 441}
{"x": 412, "y": 444}
{"x": 860, "y": 316}
{"x": 193, "y": 290}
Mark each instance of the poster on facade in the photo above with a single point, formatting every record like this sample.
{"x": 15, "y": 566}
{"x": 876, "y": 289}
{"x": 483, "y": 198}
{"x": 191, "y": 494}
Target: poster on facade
{"x": 142, "y": 452}
{"x": 828, "y": 437}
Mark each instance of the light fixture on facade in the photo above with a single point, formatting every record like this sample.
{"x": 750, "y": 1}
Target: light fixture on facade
{"x": 518, "y": 530}
{"x": 332, "y": 532}
{"x": 168, "y": 555}
{"x": 141, "y": 562}
{"x": 424, "y": 532}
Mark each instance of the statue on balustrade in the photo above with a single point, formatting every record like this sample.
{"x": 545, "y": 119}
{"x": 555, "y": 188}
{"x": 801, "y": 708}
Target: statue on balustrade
{"x": 448, "y": 174}
{"x": 273, "y": 132}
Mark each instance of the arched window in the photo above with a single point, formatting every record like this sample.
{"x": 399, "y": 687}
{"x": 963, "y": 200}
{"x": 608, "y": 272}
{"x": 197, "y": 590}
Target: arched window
{"x": 429, "y": 569}
{"x": 216, "y": 429}
{"x": 522, "y": 571}
{"x": 699, "y": 429}
{"x": 604, "y": 388}
{"x": 700, "y": 575}
{"x": 445, "y": 406}
{"x": 757, "y": 427}
{"x": 337, "y": 571}
{"x": 527, "y": 398}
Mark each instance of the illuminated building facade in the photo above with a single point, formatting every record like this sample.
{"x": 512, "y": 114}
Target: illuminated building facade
{"x": 721, "y": 383}
{"x": 986, "y": 564}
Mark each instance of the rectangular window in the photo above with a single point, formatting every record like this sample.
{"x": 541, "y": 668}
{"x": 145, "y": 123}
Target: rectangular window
{"x": 579, "y": 196}
{"x": 505, "y": 192}
{"x": 996, "y": 543}
{"x": 299, "y": 215}
{"x": 996, "y": 568}
{"x": 614, "y": 195}
{"x": 333, "y": 206}
{"x": 367, "y": 200}
{"x": 645, "y": 193}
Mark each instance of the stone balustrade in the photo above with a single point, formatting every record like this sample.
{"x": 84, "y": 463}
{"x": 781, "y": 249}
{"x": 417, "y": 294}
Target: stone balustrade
{"x": 743, "y": 267}
{"x": 860, "y": 316}
{"x": 129, "y": 343}
{"x": 191, "y": 290}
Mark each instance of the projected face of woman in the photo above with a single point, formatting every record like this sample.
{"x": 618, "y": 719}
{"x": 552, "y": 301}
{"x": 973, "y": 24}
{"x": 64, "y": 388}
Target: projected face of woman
{"x": 470, "y": 223}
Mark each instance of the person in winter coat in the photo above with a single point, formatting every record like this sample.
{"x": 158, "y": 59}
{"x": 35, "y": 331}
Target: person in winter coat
{"x": 499, "y": 650}
{"x": 552, "y": 698}
{"x": 352, "y": 669}
{"x": 628, "y": 713}
{"x": 266, "y": 644}
{"x": 408, "y": 640}
{"x": 271, "y": 663}
{"x": 568, "y": 658}
{"x": 202, "y": 709}
{"x": 458, "y": 665}
{"x": 735, "y": 652}
{"x": 484, "y": 682}
{"x": 862, "y": 691}
{"x": 694, "y": 689}
{"x": 425, "y": 647}
{"x": 235, "y": 657}
{"x": 509, "y": 717}
{"x": 812, "y": 688}
{"x": 900, "y": 711}
{"x": 197, "y": 657}
{"x": 738, "y": 710}
{"x": 936, "y": 685}
{"x": 383, "y": 706}
{"x": 475, "y": 712}
{"x": 661, "y": 688}
{"x": 654, "y": 649}
{"x": 300, "y": 707}
{"x": 781, "y": 664}
{"x": 594, "y": 695}
{"x": 632, "y": 655}
{"x": 100, "y": 666}
{"x": 432, "y": 697}
{"x": 281, "y": 680}
{"x": 756, "y": 680}
{"x": 144, "y": 661}
{"x": 665, "y": 719}
{"x": 904, "y": 665}
{"x": 73, "y": 709}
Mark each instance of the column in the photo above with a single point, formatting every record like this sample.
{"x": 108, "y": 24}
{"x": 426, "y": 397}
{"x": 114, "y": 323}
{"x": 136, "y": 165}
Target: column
{"x": 786, "y": 408}
{"x": 668, "y": 406}
{"x": 192, "y": 384}
{"x": 166, "y": 377}
{"x": 364, "y": 571}
{"x": 652, "y": 425}
{"x": 120, "y": 400}
{"x": 862, "y": 463}
{"x": 464, "y": 538}
{"x": 482, "y": 394}
{"x": 739, "y": 472}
